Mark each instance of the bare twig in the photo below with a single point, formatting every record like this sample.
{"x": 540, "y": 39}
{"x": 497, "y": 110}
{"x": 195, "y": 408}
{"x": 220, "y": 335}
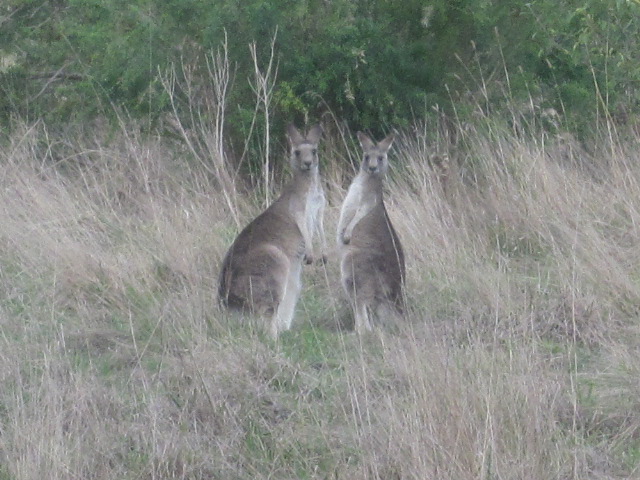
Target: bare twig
{"x": 262, "y": 86}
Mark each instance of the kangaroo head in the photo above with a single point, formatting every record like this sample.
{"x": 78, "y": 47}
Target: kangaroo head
{"x": 374, "y": 159}
{"x": 304, "y": 149}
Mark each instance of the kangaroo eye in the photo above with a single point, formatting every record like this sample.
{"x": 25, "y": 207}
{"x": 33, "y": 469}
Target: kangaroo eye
{"x": 314, "y": 151}
{"x": 296, "y": 153}
{"x": 366, "y": 158}
{"x": 380, "y": 158}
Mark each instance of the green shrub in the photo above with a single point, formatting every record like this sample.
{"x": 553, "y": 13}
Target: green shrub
{"x": 371, "y": 63}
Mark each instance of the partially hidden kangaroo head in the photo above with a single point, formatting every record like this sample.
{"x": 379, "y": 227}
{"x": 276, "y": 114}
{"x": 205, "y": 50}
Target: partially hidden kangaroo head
{"x": 304, "y": 149}
{"x": 374, "y": 160}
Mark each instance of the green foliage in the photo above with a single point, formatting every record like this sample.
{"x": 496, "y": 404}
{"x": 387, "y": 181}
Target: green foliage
{"x": 582, "y": 55}
{"x": 373, "y": 63}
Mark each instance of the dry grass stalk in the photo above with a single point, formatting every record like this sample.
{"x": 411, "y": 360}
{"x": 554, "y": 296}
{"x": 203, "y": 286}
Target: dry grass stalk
{"x": 518, "y": 359}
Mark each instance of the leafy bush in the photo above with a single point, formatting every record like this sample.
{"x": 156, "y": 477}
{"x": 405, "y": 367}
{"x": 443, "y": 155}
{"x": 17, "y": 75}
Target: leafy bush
{"x": 369, "y": 62}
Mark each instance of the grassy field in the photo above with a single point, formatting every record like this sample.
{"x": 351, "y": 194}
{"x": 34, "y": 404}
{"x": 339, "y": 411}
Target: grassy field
{"x": 519, "y": 359}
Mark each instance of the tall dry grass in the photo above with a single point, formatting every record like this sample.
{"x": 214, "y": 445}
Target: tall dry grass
{"x": 518, "y": 360}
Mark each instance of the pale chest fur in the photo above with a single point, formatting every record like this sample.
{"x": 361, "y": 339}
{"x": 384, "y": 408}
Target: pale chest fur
{"x": 354, "y": 194}
{"x": 359, "y": 201}
{"x": 306, "y": 210}
{"x": 314, "y": 206}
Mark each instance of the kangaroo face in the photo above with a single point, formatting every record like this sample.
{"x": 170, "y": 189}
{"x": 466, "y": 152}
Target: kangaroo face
{"x": 375, "y": 162}
{"x": 374, "y": 159}
{"x": 304, "y": 150}
{"x": 304, "y": 156}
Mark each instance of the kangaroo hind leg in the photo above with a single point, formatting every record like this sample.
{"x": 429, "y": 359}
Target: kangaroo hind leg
{"x": 272, "y": 270}
{"x": 362, "y": 316}
{"x": 286, "y": 309}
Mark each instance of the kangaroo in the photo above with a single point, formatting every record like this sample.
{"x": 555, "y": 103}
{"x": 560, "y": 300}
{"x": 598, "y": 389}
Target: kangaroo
{"x": 371, "y": 257}
{"x": 261, "y": 271}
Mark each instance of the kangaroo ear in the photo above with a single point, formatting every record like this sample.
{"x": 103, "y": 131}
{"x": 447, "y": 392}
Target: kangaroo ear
{"x": 385, "y": 143}
{"x": 314, "y": 134}
{"x": 294, "y": 135}
{"x": 365, "y": 142}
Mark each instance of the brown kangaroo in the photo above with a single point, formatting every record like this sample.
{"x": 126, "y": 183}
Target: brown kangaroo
{"x": 371, "y": 257}
{"x": 262, "y": 269}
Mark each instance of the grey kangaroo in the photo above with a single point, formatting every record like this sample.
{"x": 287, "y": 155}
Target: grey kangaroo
{"x": 371, "y": 257}
{"x": 262, "y": 269}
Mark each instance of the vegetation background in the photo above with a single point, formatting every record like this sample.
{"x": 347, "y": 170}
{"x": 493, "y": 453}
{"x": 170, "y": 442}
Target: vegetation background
{"x": 139, "y": 137}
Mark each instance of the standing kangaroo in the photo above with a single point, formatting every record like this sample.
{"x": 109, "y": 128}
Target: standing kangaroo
{"x": 261, "y": 271}
{"x": 371, "y": 257}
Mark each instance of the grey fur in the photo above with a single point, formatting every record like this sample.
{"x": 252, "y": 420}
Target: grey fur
{"x": 261, "y": 272}
{"x": 372, "y": 264}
